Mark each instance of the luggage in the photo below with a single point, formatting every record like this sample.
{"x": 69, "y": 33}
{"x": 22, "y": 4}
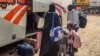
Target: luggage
{"x": 24, "y": 49}
{"x": 74, "y": 39}
{"x": 77, "y": 41}
{"x": 56, "y": 33}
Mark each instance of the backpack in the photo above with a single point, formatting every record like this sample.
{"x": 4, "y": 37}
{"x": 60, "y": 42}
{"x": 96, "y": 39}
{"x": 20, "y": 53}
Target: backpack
{"x": 24, "y": 49}
{"x": 56, "y": 33}
{"x": 82, "y": 20}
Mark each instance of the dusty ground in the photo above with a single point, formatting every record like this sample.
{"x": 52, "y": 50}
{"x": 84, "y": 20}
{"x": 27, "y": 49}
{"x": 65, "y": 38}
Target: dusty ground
{"x": 90, "y": 37}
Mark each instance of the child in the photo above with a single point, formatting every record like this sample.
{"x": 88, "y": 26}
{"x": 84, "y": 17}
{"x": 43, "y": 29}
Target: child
{"x": 73, "y": 39}
{"x": 70, "y": 27}
{"x": 63, "y": 43}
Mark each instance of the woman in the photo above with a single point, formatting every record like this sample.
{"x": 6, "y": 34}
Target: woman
{"x": 49, "y": 48}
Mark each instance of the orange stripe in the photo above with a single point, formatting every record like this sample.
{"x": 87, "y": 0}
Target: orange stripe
{"x": 19, "y": 17}
{"x": 11, "y": 14}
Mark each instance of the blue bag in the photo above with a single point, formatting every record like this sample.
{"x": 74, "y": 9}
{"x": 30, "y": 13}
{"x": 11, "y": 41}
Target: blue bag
{"x": 56, "y": 33}
{"x": 25, "y": 49}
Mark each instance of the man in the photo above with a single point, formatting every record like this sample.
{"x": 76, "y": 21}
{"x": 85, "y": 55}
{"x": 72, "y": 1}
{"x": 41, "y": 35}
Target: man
{"x": 73, "y": 16}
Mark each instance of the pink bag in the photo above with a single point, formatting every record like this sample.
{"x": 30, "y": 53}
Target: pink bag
{"x": 39, "y": 36}
{"x": 76, "y": 41}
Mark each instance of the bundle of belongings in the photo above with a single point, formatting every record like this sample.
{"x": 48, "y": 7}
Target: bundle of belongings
{"x": 25, "y": 49}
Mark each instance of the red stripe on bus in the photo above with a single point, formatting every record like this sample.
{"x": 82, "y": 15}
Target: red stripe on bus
{"x": 19, "y": 17}
{"x": 11, "y": 14}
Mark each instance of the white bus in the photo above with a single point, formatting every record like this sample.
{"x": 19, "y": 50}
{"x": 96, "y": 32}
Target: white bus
{"x": 16, "y": 18}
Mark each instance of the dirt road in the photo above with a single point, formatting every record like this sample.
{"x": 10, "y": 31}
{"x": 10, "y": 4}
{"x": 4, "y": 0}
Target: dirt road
{"x": 90, "y": 38}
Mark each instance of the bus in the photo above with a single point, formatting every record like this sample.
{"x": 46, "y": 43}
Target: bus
{"x": 17, "y": 18}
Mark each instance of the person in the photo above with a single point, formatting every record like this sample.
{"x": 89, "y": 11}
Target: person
{"x": 63, "y": 44}
{"x": 73, "y": 16}
{"x": 49, "y": 48}
{"x": 97, "y": 11}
